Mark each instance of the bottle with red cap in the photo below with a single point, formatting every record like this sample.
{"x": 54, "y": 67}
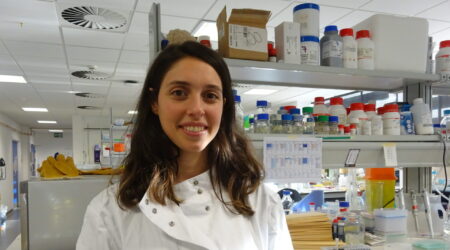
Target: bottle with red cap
{"x": 272, "y": 52}
{"x": 443, "y": 58}
{"x": 370, "y": 110}
{"x": 391, "y": 120}
{"x": 377, "y": 122}
{"x": 337, "y": 109}
{"x": 319, "y": 106}
{"x": 205, "y": 40}
{"x": 357, "y": 117}
{"x": 349, "y": 52}
{"x": 365, "y": 50}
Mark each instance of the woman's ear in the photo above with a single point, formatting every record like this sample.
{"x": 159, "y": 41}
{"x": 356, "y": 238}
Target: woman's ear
{"x": 155, "y": 108}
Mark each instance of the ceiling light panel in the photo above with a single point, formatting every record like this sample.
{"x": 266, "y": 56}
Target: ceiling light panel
{"x": 55, "y": 130}
{"x": 29, "y": 109}
{"x": 132, "y": 112}
{"x": 12, "y": 79}
{"x": 46, "y": 122}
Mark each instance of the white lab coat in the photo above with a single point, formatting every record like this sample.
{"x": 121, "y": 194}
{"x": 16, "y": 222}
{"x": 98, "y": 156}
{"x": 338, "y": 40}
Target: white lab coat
{"x": 200, "y": 222}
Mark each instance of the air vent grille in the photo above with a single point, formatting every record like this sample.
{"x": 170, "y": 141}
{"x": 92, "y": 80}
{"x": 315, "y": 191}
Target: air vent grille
{"x": 89, "y": 107}
{"x": 90, "y": 74}
{"x": 94, "y": 17}
{"x": 90, "y": 95}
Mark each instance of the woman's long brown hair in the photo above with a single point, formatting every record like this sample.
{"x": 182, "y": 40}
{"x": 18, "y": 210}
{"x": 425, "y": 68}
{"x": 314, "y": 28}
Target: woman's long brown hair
{"x": 152, "y": 162}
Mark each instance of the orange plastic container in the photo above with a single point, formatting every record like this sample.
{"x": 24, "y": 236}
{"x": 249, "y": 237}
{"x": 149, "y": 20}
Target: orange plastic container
{"x": 119, "y": 147}
{"x": 380, "y": 188}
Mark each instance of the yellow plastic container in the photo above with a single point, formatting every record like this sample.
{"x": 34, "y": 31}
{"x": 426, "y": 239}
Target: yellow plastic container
{"x": 380, "y": 188}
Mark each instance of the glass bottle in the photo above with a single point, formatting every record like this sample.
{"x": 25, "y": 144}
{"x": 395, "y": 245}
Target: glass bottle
{"x": 322, "y": 126}
{"x": 297, "y": 121}
{"x": 333, "y": 123}
{"x": 286, "y": 122}
{"x": 287, "y": 201}
{"x": 354, "y": 230}
{"x": 308, "y": 129}
{"x": 262, "y": 124}
{"x": 276, "y": 126}
{"x": 239, "y": 112}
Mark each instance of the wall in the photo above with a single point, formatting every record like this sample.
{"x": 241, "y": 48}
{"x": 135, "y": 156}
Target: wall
{"x": 7, "y": 135}
{"x": 46, "y": 144}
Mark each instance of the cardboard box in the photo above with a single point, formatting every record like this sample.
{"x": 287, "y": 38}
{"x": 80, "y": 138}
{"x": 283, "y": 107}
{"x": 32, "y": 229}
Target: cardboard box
{"x": 244, "y": 35}
{"x": 401, "y": 43}
{"x": 287, "y": 42}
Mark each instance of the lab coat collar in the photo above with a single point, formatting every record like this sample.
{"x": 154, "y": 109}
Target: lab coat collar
{"x": 171, "y": 219}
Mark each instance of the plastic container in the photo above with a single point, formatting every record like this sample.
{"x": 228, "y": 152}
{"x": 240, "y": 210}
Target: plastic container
{"x": 357, "y": 116}
{"x": 331, "y": 47}
{"x": 354, "y": 230}
{"x": 390, "y": 221}
{"x": 262, "y": 124}
{"x": 370, "y": 110}
{"x": 309, "y": 50}
{"x": 239, "y": 112}
{"x": 319, "y": 107}
{"x": 423, "y": 123}
{"x": 337, "y": 109}
{"x": 380, "y": 188}
{"x": 443, "y": 58}
{"x": 377, "y": 125}
{"x": 365, "y": 50}
{"x": 406, "y": 120}
{"x": 430, "y": 245}
{"x": 205, "y": 40}
{"x": 391, "y": 120}
{"x": 349, "y": 49}
{"x": 404, "y": 37}
{"x": 307, "y": 15}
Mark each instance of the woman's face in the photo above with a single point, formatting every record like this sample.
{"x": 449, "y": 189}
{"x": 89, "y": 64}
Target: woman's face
{"x": 190, "y": 104}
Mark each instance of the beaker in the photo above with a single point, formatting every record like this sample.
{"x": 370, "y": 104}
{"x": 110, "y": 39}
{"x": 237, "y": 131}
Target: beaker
{"x": 374, "y": 194}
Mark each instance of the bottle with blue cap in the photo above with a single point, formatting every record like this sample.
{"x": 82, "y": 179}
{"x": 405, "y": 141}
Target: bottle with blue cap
{"x": 307, "y": 15}
{"x": 297, "y": 121}
{"x": 262, "y": 124}
{"x": 331, "y": 48}
{"x": 286, "y": 122}
{"x": 261, "y": 106}
{"x": 333, "y": 124}
{"x": 406, "y": 120}
{"x": 239, "y": 112}
{"x": 287, "y": 201}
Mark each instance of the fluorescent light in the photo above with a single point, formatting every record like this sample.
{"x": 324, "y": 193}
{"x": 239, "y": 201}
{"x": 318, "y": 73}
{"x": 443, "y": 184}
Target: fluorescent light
{"x": 35, "y": 109}
{"x": 11, "y": 78}
{"x": 260, "y": 92}
{"x": 47, "y": 122}
{"x": 206, "y": 28}
{"x": 73, "y": 92}
{"x": 55, "y": 130}
{"x": 132, "y": 112}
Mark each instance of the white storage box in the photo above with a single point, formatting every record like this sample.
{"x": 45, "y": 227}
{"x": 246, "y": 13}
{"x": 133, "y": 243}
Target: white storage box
{"x": 390, "y": 221}
{"x": 401, "y": 43}
{"x": 287, "y": 42}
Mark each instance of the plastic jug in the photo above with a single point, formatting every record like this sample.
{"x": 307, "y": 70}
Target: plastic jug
{"x": 438, "y": 214}
{"x": 380, "y": 188}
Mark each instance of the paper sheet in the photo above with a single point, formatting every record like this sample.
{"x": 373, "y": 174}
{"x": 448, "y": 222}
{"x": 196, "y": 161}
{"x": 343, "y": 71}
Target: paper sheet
{"x": 292, "y": 159}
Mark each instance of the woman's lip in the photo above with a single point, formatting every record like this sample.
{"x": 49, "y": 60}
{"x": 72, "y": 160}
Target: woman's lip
{"x": 193, "y": 133}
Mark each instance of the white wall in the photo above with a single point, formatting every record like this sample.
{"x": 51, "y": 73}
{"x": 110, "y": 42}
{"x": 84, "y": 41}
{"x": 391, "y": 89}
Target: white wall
{"x": 47, "y": 145}
{"x": 7, "y": 135}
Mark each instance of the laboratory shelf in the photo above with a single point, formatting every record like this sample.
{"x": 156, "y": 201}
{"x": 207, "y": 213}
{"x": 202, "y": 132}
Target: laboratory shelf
{"x": 295, "y": 75}
{"x": 412, "y": 150}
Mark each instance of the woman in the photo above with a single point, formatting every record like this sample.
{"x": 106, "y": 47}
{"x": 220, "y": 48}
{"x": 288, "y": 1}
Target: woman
{"x": 190, "y": 181}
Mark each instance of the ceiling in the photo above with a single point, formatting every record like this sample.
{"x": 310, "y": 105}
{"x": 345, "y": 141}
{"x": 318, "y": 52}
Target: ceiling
{"x": 36, "y": 42}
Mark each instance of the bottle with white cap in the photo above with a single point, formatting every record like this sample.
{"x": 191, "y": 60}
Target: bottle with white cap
{"x": 423, "y": 122}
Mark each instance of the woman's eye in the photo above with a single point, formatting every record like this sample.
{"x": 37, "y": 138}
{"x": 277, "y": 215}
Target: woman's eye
{"x": 211, "y": 96}
{"x": 178, "y": 93}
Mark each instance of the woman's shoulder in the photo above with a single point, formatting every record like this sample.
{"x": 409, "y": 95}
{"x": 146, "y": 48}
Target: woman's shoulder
{"x": 105, "y": 201}
{"x": 264, "y": 196}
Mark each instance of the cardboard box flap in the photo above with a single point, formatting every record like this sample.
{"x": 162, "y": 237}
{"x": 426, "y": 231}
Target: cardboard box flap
{"x": 250, "y": 17}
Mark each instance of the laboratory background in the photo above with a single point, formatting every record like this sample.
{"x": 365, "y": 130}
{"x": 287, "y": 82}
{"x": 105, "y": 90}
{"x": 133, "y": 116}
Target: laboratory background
{"x": 346, "y": 104}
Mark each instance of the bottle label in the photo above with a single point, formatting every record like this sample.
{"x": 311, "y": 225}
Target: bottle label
{"x": 443, "y": 63}
{"x": 309, "y": 54}
{"x": 350, "y": 57}
{"x": 365, "y": 53}
{"x": 332, "y": 48}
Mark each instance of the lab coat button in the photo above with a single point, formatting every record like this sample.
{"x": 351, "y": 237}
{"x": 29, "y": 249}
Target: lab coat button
{"x": 154, "y": 210}
{"x": 146, "y": 201}
{"x": 171, "y": 223}
{"x": 207, "y": 208}
{"x": 195, "y": 182}
{"x": 199, "y": 191}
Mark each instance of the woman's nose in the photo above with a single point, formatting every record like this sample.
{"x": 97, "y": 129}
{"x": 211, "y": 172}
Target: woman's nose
{"x": 196, "y": 106}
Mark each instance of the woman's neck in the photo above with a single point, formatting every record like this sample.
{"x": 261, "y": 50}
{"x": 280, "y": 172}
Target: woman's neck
{"x": 190, "y": 165}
